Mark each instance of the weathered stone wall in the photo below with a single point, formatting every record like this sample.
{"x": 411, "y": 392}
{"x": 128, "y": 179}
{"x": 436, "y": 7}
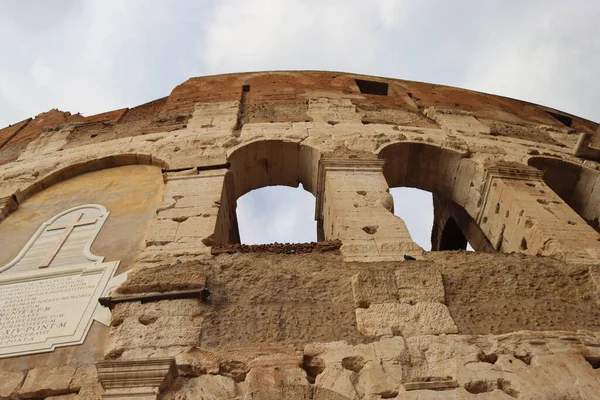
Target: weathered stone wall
{"x": 200, "y": 317}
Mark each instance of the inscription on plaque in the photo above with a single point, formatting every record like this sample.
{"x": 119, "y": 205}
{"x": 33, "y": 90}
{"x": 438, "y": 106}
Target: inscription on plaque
{"x": 49, "y": 292}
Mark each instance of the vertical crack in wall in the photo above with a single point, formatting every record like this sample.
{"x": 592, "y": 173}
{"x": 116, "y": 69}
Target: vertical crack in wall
{"x": 242, "y": 112}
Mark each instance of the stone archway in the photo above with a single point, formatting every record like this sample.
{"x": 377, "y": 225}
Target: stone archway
{"x": 260, "y": 164}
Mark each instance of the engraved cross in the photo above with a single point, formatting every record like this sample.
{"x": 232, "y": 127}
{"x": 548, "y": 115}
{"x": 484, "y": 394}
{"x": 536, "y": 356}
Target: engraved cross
{"x": 68, "y": 227}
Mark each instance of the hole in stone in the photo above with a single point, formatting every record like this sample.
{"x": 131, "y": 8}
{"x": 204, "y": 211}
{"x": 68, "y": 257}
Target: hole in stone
{"x": 488, "y": 358}
{"x": 313, "y": 367}
{"x": 236, "y": 370}
{"x": 246, "y": 88}
{"x": 361, "y": 192}
{"x": 355, "y": 363}
{"x": 530, "y": 184}
{"x": 180, "y": 219}
{"x": 497, "y": 208}
{"x": 93, "y": 135}
{"x": 370, "y": 229}
{"x": 526, "y": 358}
{"x": 594, "y": 362}
{"x": 565, "y": 120}
{"x": 333, "y": 123}
{"x": 147, "y": 319}
{"x": 372, "y": 87}
{"x": 542, "y": 201}
{"x": 477, "y": 386}
{"x": 528, "y": 224}
{"x": 571, "y": 222}
{"x": 523, "y": 244}
{"x": 507, "y": 388}
{"x": 484, "y": 220}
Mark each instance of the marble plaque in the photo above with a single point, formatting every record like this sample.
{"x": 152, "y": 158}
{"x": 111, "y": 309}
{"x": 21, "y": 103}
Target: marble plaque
{"x": 49, "y": 292}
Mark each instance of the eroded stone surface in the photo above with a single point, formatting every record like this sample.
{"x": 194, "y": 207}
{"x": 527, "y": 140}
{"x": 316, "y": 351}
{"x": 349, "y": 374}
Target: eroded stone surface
{"x": 376, "y": 317}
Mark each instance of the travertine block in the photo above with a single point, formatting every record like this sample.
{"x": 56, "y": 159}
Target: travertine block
{"x": 335, "y": 382}
{"x": 423, "y": 318}
{"x": 415, "y": 284}
{"x": 163, "y": 331}
{"x": 372, "y": 287}
{"x": 47, "y": 381}
{"x": 10, "y": 382}
{"x": 161, "y": 232}
{"x": 281, "y": 382}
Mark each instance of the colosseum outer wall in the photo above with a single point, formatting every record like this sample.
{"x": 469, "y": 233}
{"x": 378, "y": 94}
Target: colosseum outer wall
{"x": 135, "y": 208}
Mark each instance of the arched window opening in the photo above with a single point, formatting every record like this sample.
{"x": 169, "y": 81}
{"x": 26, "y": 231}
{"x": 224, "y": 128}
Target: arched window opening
{"x": 278, "y": 177}
{"x": 277, "y": 214}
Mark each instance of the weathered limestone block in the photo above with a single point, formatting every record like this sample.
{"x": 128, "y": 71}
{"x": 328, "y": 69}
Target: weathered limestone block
{"x": 415, "y": 284}
{"x": 47, "y": 381}
{"x": 457, "y": 122}
{"x": 10, "y": 383}
{"x": 335, "y": 383}
{"x": 148, "y": 312}
{"x": 277, "y": 376}
{"x": 71, "y": 396}
{"x": 333, "y": 111}
{"x": 372, "y": 286}
{"x": 407, "y": 320}
{"x": 204, "y": 387}
{"x": 196, "y": 361}
{"x": 374, "y": 381}
{"x": 176, "y": 276}
{"x": 165, "y": 331}
{"x": 161, "y": 232}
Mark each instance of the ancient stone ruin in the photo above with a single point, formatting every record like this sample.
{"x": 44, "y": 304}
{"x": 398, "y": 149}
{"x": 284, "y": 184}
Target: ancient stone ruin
{"x": 122, "y": 275}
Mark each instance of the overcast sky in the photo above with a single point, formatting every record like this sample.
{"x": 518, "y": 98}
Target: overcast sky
{"x": 92, "y": 56}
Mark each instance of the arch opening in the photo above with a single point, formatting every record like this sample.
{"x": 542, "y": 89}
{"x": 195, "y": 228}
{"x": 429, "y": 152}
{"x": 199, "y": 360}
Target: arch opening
{"x": 443, "y": 178}
{"x": 272, "y": 164}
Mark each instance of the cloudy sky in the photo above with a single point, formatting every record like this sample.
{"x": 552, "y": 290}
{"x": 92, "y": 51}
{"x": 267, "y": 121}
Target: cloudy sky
{"x": 90, "y": 56}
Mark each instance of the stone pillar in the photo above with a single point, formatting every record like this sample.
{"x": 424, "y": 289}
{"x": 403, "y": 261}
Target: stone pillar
{"x": 136, "y": 379}
{"x": 520, "y": 213}
{"x": 355, "y": 206}
{"x": 185, "y": 222}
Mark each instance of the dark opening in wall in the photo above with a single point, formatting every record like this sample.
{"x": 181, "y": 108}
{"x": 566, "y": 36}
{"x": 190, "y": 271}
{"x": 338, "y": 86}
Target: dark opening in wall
{"x": 452, "y": 237}
{"x": 372, "y": 87}
{"x": 568, "y": 121}
{"x": 246, "y": 88}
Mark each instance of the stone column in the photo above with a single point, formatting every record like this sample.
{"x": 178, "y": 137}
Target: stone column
{"x": 520, "y": 213}
{"x": 185, "y": 222}
{"x": 355, "y": 206}
{"x": 136, "y": 379}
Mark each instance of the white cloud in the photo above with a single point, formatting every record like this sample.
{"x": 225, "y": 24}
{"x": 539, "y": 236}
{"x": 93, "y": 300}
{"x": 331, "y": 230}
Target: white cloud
{"x": 277, "y": 214}
{"x": 93, "y": 56}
